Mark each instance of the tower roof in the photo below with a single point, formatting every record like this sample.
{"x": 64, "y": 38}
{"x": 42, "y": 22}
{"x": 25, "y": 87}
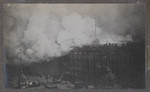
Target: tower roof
{"x": 96, "y": 41}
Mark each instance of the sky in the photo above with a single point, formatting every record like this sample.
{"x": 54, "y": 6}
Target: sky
{"x": 34, "y": 32}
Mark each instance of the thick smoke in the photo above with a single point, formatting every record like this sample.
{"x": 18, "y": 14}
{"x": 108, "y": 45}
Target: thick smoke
{"x": 40, "y": 32}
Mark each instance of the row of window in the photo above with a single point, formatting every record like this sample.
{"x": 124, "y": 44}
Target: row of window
{"x": 97, "y": 57}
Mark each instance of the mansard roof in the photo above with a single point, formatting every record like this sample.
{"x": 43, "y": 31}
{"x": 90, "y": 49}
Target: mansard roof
{"x": 88, "y": 48}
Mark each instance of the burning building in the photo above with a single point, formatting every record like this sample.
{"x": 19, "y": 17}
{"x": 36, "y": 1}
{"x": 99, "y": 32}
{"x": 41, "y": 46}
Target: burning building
{"x": 90, "y": 64}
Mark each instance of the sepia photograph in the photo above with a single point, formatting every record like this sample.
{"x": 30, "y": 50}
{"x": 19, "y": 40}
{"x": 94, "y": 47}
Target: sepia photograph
{"x": 74, "y": 46}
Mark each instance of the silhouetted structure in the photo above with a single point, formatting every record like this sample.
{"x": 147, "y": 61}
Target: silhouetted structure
{"x": 90, "y": 64}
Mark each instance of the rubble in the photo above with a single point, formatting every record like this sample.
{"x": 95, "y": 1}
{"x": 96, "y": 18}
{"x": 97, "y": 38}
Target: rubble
{"x": 62, "y": 81}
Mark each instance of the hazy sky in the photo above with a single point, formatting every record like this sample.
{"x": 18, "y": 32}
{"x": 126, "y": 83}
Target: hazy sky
{"x": 41, "y": 31}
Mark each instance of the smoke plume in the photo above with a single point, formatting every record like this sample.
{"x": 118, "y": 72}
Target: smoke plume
{"x": 39, "y": 32}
